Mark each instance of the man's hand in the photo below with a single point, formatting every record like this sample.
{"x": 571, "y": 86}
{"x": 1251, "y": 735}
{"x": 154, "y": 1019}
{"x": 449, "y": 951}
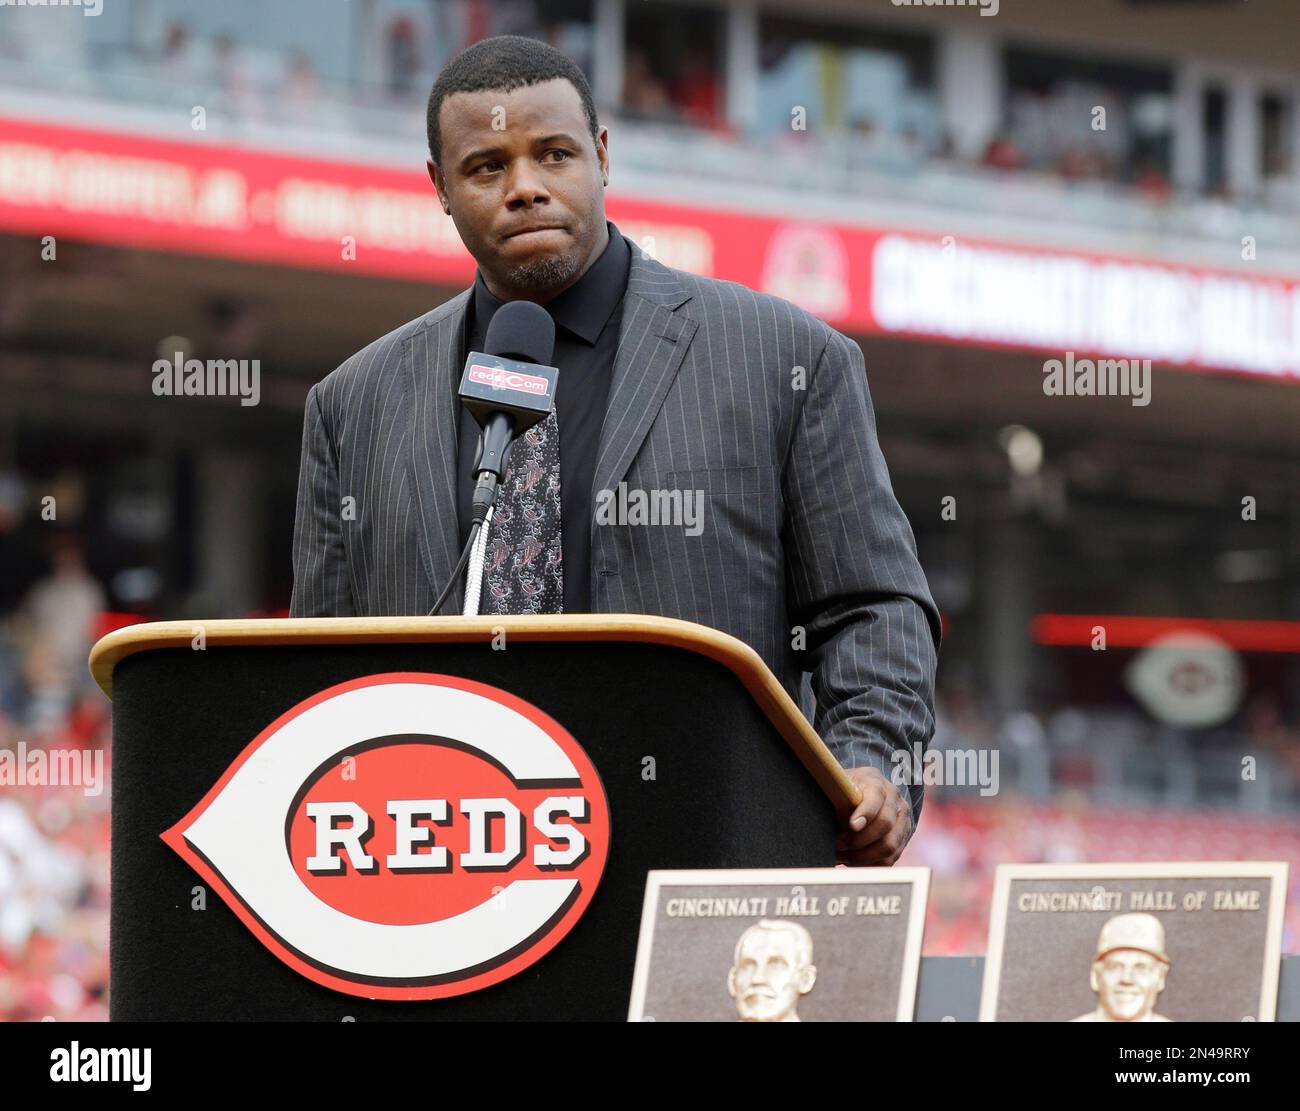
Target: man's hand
{"x": 879, "y": 827}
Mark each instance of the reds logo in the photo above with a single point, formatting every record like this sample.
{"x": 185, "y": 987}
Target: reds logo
{"x": 405, "y": 836}
{"x": 508, "y": 380}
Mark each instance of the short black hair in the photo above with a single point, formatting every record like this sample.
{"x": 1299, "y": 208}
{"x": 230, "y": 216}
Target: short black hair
{"x": 504, "y": 62}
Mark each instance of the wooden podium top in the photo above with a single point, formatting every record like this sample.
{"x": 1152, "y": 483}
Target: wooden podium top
{"x": 727, "y": 650}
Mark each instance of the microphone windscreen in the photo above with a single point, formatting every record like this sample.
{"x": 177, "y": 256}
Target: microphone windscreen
{"x": 521, "y": 330}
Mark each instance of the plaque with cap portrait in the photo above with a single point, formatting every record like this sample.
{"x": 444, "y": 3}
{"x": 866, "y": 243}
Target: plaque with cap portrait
{"x": 780, "y": 945}
{"x": 1175, "y": 942}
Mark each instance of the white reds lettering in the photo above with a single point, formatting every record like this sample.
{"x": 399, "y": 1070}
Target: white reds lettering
{"x": 498, "y": 835}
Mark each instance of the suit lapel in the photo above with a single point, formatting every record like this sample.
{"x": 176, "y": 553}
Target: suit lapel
{"x": 433, "y": 373}
{"x": 651, "y": 345}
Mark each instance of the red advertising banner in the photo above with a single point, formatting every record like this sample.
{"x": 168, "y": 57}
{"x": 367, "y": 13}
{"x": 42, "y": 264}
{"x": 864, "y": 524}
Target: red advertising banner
{"x": 196, "y": 197}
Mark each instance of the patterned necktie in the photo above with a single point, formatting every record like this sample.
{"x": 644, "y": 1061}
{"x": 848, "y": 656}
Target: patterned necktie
{"x": 523, "y": 570}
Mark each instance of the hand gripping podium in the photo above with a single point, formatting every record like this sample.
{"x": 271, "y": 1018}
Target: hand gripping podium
{"x": 432, "y": 818}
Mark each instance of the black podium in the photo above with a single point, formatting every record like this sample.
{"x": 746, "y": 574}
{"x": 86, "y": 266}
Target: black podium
{"x": 702, "y": 758}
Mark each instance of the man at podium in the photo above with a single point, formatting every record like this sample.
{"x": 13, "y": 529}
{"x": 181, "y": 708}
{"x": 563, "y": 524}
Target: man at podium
{"x": 674, "y": 390}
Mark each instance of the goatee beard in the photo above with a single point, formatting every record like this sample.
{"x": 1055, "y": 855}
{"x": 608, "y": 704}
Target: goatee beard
{"x": 542, "y": 274}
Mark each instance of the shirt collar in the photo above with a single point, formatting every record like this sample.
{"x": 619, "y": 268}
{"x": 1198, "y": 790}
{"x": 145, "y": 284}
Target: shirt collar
{"x": 586, "y": 306}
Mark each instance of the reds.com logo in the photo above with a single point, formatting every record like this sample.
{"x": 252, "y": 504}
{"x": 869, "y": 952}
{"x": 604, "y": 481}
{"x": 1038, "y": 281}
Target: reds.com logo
{"x": 405, "y": 836}
{"x": 508, "y": 379}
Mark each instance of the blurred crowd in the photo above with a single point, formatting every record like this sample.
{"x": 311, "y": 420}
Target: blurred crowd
{"x": 54, "y": 838}
{"x": 1118, "y": 754}
{"x": 963, "y": 842}
{"x": 681, "y": 89}
{"x": 54, "y": 857}
{"x": 872, "y": 105}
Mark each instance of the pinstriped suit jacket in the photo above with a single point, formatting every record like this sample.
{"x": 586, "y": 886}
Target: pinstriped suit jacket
{"x": 801, "y": 529}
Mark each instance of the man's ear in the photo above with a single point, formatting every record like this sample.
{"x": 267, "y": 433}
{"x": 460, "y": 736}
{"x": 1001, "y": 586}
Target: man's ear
{"x": 602, "y": 154}
{"x": 439, "y": 185}
{"x": 1094, "y": 978}
{"x": 807, "y": 977}
{"x": 731, "y": 983}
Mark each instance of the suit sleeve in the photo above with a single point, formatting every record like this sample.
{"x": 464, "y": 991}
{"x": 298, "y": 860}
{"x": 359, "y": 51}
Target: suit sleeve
{"x": 854, "y": 582}
{"x": 321, "y": 583}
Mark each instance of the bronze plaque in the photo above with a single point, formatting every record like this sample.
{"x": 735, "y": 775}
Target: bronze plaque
{"x": 780, "y": 945}
{"x": 1173, "y": 942}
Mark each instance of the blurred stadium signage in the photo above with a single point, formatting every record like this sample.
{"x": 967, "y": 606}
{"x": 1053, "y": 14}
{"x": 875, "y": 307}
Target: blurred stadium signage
{"x": 1045, "y": 300}
{"x": 201, "y": 198}
{"x": 405, "y": 836}
{"x": 1187, "y": 678}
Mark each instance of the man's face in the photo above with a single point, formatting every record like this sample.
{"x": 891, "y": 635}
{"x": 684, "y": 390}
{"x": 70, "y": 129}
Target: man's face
{"x": 768, "y": 979}
{"x": 524, "y": 184}
{"x": 1127, "y": 982}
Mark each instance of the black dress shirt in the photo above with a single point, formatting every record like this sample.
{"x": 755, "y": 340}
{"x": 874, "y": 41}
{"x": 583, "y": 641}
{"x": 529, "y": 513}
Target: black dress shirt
{"x": 587, "y": 317}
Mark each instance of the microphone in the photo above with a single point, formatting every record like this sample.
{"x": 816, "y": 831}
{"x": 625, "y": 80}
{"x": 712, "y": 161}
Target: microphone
{"x": 508, "y": 388}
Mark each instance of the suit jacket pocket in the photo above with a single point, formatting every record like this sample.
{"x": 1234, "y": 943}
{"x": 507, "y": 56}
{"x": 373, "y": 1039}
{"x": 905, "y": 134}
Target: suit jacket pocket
{"x": 736, "y": 504}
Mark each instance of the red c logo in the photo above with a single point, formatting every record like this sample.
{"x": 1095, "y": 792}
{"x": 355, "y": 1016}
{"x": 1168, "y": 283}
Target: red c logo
{"x": 405, "y": 836}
